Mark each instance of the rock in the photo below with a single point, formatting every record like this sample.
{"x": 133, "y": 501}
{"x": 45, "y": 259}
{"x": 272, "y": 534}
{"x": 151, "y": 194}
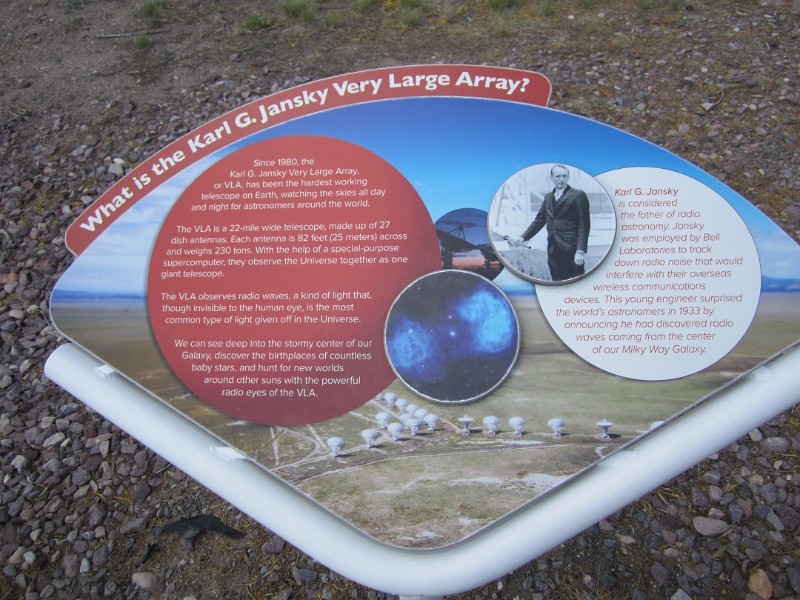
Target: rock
{"x": 19, "y": 462}
{"x": 283, "y": 594}
{"x": 789, "y": 517}
{"x": 117, "y": 168}
{"x": 608, "y": 580}
{"x": 17, "y": 557}
{"x": 660, "y": 573}
{"x": 141, "y": 491}
{"x": 746, "y": 505}
{"x": 81, "y": 476}
{"x": 96, "y": 514}
{"x": 303, "y": 576}
{"x": 589, "y": 582}
{"x": 133, "y": 525}
{"x": 775, "y": 521}
{"x": 85, "y": 567}
{"x": 735, "y": 513}
{"x": 54, "y": 439}
{"x": 699, "y": 499}
{"x": 605, "y": 526}
{"x": 626, "y": 539}
{"x": 100, "y": 556}
{"x": 715, "y": 493}
{"x": 143, "y": 580}
{"x": 69, "y": 408}
{"x": 775, "y": 445}
{"x": 759, "y": 584}
{"x": 794, "y": 578}
{"x": 274, "y": 545}
{"x": 70, "y": 563}
{"x": 709, "y": 527}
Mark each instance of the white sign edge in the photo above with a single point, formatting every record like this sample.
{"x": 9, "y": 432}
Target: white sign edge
{"x": 510, "y": 542}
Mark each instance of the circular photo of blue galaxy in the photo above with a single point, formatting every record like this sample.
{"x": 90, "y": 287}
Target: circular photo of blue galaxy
{"x": 452, "y": 336}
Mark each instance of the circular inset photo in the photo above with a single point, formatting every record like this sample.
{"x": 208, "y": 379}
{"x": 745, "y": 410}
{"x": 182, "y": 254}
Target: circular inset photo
{"x": 464, "y": 242}
{"x": 551, "y": 223}
{"x": 452, "y": 336}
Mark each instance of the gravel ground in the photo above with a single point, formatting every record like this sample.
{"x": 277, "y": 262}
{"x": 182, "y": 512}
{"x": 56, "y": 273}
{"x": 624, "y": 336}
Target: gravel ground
{"x": 85, "y": 94}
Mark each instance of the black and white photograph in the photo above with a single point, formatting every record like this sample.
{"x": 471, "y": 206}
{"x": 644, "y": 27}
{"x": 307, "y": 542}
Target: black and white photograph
{"x": 551, "y": 223}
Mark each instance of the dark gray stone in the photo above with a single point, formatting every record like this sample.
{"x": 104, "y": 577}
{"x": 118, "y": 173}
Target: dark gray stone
{"x": 659, "y": 573}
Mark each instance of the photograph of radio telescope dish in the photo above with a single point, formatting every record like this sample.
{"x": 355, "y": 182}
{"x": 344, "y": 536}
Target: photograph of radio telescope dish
{"x": 452, "y": 336}
{"x": 464, "y": 242}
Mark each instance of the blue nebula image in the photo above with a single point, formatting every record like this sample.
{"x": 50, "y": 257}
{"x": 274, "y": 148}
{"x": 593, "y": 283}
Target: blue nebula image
{"x": 491, "y": 320}
{"x": 452, "y": 336}
{"x": 413, "y": 347}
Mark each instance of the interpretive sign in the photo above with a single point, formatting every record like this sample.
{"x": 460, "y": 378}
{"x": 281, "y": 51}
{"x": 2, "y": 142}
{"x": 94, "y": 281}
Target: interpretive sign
{"x": 421, "y": 298}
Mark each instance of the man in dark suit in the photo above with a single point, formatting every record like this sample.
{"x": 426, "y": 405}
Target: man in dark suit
{"x": 565, "y": 211}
